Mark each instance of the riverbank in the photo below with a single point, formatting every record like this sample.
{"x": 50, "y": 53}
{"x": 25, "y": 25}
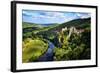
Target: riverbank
{"x": 48, "y": 55}
{"x": 32, "y": 49}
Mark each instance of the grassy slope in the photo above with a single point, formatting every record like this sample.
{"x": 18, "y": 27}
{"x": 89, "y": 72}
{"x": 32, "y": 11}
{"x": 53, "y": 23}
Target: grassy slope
{"x": 33, "y": 49}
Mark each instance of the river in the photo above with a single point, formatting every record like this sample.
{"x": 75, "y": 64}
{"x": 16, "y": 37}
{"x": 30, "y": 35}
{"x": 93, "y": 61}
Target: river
{"x": 48, "y": 56}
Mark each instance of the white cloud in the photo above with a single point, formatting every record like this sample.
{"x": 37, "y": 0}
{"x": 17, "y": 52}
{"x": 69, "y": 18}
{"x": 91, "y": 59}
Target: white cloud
{"x": 53, "y": 15}
{"x": 83, "y": 15}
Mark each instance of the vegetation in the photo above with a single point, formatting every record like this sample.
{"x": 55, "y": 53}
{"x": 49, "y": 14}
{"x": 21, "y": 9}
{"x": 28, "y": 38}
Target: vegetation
{"x": 75, "y": 47}
{"x": 33, "y": 49}
{"x": 72, "y": 40}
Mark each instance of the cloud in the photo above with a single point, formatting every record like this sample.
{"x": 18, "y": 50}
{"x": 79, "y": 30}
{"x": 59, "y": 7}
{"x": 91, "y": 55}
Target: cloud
{"x": 25, "y": 13}
{"x": 44, "y": 17}
{"x": 83, "y": 15}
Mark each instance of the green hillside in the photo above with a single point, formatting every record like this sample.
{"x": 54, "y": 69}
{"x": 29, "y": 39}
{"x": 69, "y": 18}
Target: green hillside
{"x": 26, "y": 25}
{"x": 78, "y": 23}
{"x": 74, "y": 43}
{"x": 52, "y": 31}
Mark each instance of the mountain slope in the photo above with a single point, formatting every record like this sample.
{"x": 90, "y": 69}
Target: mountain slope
{"x": 78, "y": 23}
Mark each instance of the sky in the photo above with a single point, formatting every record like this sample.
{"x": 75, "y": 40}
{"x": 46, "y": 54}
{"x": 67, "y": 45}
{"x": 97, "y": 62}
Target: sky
{"x": 48, "y": 17}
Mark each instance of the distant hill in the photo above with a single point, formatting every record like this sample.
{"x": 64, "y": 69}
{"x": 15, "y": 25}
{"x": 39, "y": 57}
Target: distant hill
{"x": 77, "y": 23}
{"x": 27, "y": 25}
{"x": 49, "y": 25}
{"x": 53, "y": 28}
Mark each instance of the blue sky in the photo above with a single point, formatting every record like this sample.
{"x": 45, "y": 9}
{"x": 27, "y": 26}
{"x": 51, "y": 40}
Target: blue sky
{"x": 47, "y": 17}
